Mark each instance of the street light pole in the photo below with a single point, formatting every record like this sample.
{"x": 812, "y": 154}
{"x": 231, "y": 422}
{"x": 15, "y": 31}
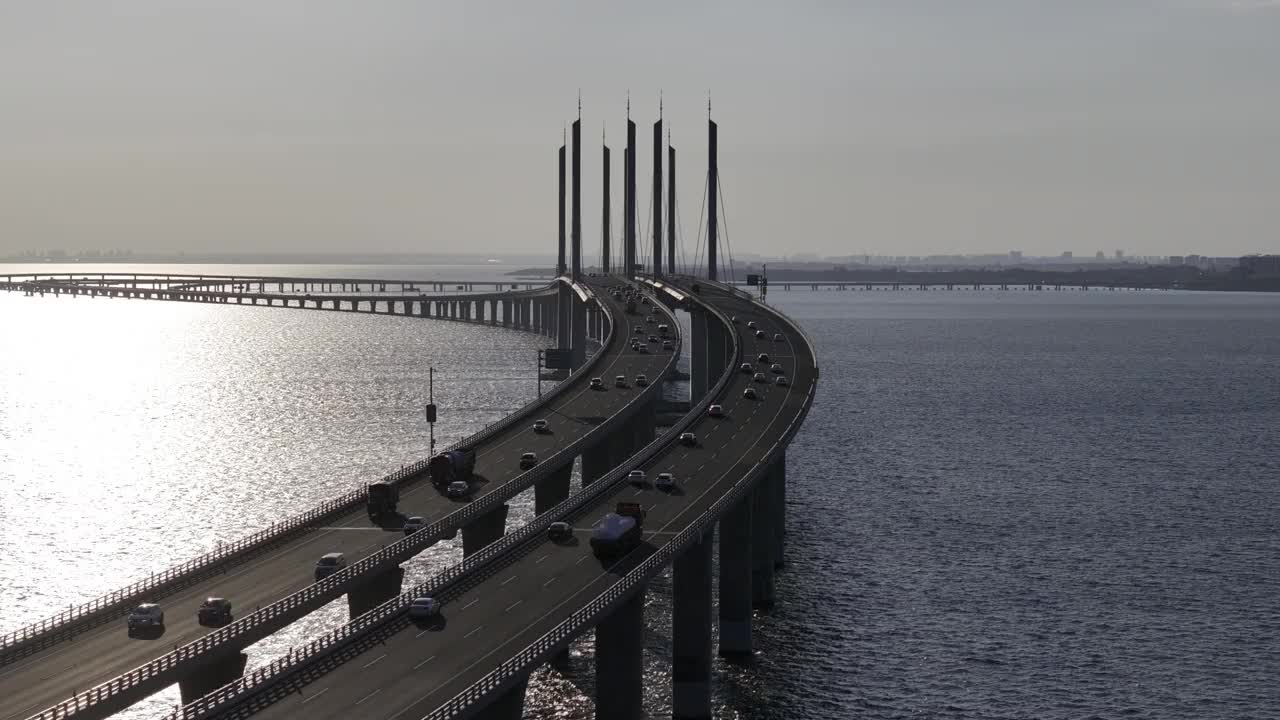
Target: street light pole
{"x": 431, "y": 408}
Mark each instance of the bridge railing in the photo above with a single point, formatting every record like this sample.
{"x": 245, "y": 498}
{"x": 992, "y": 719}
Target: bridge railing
{"x": 516, "y": 668}
{"x": 30, "y": 638}
{"x": 502, "y": 551}
{"x": 265, "y": 621}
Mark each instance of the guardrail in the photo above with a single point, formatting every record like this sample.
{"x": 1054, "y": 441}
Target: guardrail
{"x": 783, "y": 317}
{"x": 285, "y": 611}
{"x": 28, "y": 639}
{"x": 516, "y": 668}
{"x": 282, "y": 669}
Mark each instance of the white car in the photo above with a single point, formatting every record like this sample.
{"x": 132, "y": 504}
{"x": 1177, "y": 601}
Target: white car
{"x": 665, "y": 481}
{"x": 760, "y": 378}
{"x": 762, "y": 358}
{"x": 760, "y": 335}
{"x": 620, "y": 381}
{"x": 146, "y": 615}
{"x": 746, "y": 368}
{"x": 733, "y": 319}
{"x": 752, "y": 324}
{"x": 414, "y": 524}
{"x": 777, "y": 337}
{"x": 688, "y": 438}
{"x": 749, "y": 393}
{"x": 423, "y": 608}
{"x": 781, "y": 381}
{"x": 598, "y": 384}
{"x": 776, "y": 368}
{"x": 716, "y": 411}
{"x": 636, "y": 477}
{"x": 528, "y": 460}
{"x": 329, "y": 564}
{"x": 540, "y": 426}
{"x": 457, "y": 489}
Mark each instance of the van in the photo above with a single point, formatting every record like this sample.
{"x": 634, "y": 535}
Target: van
{"x": 329, "y": 564}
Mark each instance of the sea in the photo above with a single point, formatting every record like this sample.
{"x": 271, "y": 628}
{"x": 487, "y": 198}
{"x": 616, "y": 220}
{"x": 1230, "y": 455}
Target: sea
{"x": 1004, "y": 504}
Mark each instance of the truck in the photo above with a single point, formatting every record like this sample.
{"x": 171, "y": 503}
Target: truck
{"x": 382, "y": 498}
{"x": 630, "y": 509}
{"x": 452, "y": 466}
{"x": 614, "y": 534}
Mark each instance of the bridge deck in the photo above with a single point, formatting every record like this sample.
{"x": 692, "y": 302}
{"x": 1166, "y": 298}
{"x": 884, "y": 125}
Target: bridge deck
{"x": 105, "y": 652}
{"x": 415, "y": 669}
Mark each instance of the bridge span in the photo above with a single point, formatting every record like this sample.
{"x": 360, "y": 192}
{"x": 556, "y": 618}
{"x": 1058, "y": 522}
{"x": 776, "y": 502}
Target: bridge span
{"x": 521, "y": 602}
{"x": 49, "y": 665}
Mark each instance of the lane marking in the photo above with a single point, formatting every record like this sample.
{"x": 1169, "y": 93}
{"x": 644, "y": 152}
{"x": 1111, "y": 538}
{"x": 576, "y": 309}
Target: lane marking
{"x": 504, "y": 582}
{"x": 313, "y": 697}
{"x": 544, "y": 557}
{"x": 424, "y": 662}
{"x": 473, "y": 632}
{"x": 551, "y": 580}
{"x": 376, "y": 660}
{"x": 473, "y": 602}
{"x": 366, "y": 697}
{"x": 513, "y": 606}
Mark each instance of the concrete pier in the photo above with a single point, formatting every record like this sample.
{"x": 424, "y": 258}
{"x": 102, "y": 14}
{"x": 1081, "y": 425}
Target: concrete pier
{"x": 374, "y": 592}
{"x": 691, "y": 633}
{"x": 735, "y": 580}
{"x": 620, "y": 662}
{"x": 763, "y": 542}
{"x": 508, "y": 706}
{"x": 482, "y": 531}
{"x": 697, "y": 341}
{"x": 597, "y": 461}
{"x": 210, "y": 677}
{"x": 552, "y": 490}
{"x": 779, "y": 473}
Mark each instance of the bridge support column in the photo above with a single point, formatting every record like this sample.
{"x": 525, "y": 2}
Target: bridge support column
{"x": 578, "y": 343}
{"x": 779, "y": 474}
{"x": 506, "y": 313}
{"x": 374, "y": 592}
{"x": 763, "y": 542}
{"x": 642, "y": 425}
{"x": 691, "y": 632}
{"x": 619, "y": 662}
{"x": 697, "y": 355}
{"x": 482, "y": 531}
{"x": 508, "y": 706}
{"x": 599, "y": 459}
{"x": 212, "y": 676}
{"x": 735, "y": 580}
{"x": 552, "y": 490}
{"x": 564, "y": 315}
{"x": 718, "y": 345}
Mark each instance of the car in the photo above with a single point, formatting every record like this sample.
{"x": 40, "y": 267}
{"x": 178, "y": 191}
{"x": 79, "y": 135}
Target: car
{"x": 668, "y": 345}
{"x": 457, "y": 489}
{"x": 541, "y": 426}
{"x": 642, "y": 380}
{"x": 781, "y": 381}
{"x": 760, "y": 335}
{"x": 760, "y": 378}
{"x": 146, "y": 615}
{"x": 637, "y": 477}
{"x": 643, "y": 350}
{"x": 528, "y": 460}
{"x": 423, "y": 608}
{"x": 635, "y": 345}
{"x": 644, "y": 300}
{"x": 763, "y": 358}
{"x": 747, "y": 368}
{"x": 653, "y": 338}
{"x": 716, "y": 411}
{"x": 620, "y": 381}
{"x": 414, "y": 524}
{"x": 749, "y": 393}
{"x": 752, "y": 324}
{"x": 330, "y": 563}
{"x": 597, "y": 383}
{"x": 559, "y": 531}
{"x": 639, "y": 330}
{"x": 777, "y": 337}
{"x": 214, "y": 612}
{"x": 688, "y": 438}
{"x": 649, "y": 319}
{"x": 665, "y": 481}
{"x": 776, "y": 368}
{"x": 733, "y": 319}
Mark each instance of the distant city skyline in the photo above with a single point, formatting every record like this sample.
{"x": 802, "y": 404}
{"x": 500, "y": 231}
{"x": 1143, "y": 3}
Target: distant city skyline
{"x": 880, "y": 128}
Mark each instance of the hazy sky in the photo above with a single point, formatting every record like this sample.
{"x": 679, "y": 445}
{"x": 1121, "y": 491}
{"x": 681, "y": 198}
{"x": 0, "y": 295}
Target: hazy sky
{"x": 882, "y": 126}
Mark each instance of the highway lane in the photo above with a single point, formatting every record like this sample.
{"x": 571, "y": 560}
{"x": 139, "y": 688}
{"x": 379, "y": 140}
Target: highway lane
{"x": 420, "y": 667}
{"x": 106, "y": 651}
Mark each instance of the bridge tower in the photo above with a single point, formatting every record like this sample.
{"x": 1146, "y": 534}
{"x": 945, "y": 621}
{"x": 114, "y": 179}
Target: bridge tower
{"x": 578, "y": 308}
{"x": 604, "y": 213}
{"x": 671, "y": 206}
{"x": 657, "y": 194}
{"x": 629, "y": 187}
{"x": 713, "y": 179}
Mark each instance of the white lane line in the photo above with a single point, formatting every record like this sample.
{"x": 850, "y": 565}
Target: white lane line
{"x": 366, "y": 697}
{"x": 513, "y": 606}
{"x": 473, "y": 602}
{"x": 549, "y": 581}
{"x": 424, "y": 632}
{"x": 424, "y": 662}
{"x": 580, "y": 560}
{"x": 473, "y": 632}
{"x": 313, "y": 697}
{"x": 513, "y": 577}
{"x": 544, "y": 557}
{"x": 376, "y": 660}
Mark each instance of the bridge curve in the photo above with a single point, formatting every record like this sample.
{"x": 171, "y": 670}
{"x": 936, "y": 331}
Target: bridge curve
{"x": 520, "y": 602}
{"x": 129, "y": 673}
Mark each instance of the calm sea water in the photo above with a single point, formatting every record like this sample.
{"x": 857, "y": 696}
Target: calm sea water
{"x": 1003, "y": 505}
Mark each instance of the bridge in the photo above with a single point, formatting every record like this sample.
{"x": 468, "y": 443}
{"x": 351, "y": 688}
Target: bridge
{"x": 516, "y": 600}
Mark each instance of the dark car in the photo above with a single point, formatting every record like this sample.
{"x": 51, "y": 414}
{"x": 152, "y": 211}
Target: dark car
{"x": 214, "y": 612}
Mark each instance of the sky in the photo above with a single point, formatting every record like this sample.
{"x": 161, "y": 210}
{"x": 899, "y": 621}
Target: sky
{"x": 899, "y": 127}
